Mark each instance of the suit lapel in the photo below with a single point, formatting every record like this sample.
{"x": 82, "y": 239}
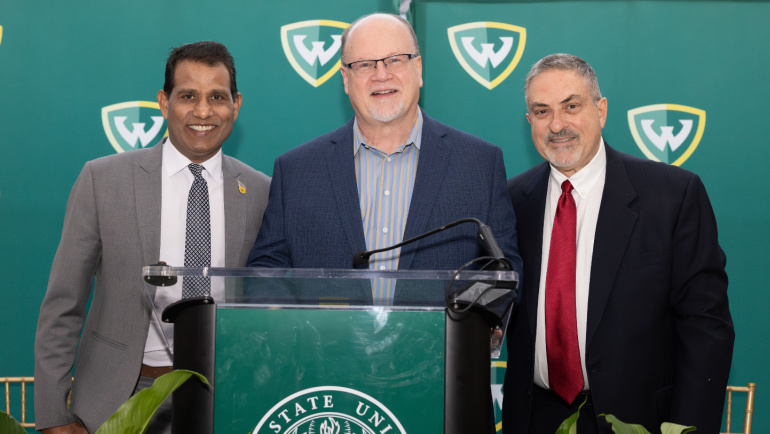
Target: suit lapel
{"x": 342, "y": 173}
{"x": 148, "y": 193}
{"x": 431, "y": 170}
{"x": 235, "y": 209}
{"x": 613, "y": 229}
{"x": 530, "y": 233}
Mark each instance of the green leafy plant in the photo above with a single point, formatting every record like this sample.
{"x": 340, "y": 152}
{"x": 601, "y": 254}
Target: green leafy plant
{"x": 9, "y": 425}
{"x": 134, "y": 415}
{"x": 569, "y": 426}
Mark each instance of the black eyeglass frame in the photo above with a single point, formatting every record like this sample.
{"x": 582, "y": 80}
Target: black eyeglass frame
{"x": 409, "y": 57}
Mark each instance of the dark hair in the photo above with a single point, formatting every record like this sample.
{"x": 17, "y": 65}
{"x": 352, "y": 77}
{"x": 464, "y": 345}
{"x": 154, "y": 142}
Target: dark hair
{"x": 399, "y": 18}
{"x": 210, "y": 53}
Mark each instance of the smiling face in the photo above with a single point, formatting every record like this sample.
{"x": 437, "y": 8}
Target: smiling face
{"x": 566, "y": 122}
{"x": 382, "y": 97}
{"x": 200, "y": 109}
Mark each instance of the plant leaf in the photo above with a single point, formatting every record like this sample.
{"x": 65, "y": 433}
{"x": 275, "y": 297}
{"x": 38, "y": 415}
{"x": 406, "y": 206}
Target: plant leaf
{"x": 672, "y": 428}
{"x": 134, "y": 415}
{"x": 9, "y": 425}
{"x": 569, "y": 426}
{"x": 620, "y": 427}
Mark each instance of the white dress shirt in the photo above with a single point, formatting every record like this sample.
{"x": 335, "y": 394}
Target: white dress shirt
{"x": 177, "y": 180}
{"x": 588, "y": 185}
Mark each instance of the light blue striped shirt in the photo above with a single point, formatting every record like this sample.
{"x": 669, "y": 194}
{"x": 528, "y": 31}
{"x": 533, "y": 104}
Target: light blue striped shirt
{"x": 385, "y": 184}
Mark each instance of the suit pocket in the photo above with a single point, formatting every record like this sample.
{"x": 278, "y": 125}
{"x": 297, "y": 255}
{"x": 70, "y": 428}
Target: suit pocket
{"x": 115, "y": 344}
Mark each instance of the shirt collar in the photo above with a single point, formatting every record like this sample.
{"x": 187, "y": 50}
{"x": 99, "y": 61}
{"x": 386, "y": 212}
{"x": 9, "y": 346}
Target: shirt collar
{"x": 414, "y": 136}
{"x": 174, "y": 162}
{"x": 585, "y": 178}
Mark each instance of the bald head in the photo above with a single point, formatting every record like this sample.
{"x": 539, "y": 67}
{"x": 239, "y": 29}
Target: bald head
{"x": 385, "y": 26}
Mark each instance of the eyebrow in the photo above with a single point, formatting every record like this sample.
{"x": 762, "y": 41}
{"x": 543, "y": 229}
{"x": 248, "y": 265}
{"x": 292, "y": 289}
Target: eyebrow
{"x": 571, "y": 97}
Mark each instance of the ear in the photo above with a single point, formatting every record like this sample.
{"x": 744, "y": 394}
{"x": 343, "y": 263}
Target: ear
{"x": 344, "y": 74}
{"x": 163, "y": 103}
{"x": 601, "y": 106}
{"x": 419, "y": 68}
{"x": 528, "y": 120}
{"x": 237, "y": 105}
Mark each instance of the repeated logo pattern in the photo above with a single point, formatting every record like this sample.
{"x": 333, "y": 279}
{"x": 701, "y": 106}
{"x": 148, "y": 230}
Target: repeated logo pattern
{"x": 126, "y": 125}
{"x": 488, "y": 51}
{"x": 313, "y": 48}
{"x": 667, "y": 132}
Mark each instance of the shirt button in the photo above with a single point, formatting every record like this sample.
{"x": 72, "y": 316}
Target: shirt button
{"x": 382, "y": 267}
{"x": 388, "y": 158}
{"x": 387, "y": 192}
{"x": 385, "y": 230}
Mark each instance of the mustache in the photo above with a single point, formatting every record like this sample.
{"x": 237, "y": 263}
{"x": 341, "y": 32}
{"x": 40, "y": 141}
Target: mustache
{"x": 561, "y": 134}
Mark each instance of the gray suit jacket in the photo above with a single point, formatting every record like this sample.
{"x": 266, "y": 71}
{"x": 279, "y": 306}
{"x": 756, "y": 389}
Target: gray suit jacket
{"x": 111, "y": 230}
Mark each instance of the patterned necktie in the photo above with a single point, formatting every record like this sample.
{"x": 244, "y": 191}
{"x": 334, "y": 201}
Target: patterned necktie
{"x": 564, "y": 371}
{"x": 197, "y": 250}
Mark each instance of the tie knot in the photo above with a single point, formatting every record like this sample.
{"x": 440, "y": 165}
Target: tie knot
{"x": 197, "y": 168}
{"x": 566, "y": 187}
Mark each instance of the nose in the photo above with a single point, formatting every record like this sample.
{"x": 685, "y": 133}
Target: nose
{"x": 381, "y": 71}
{"x": 557, "y": 123}
{"x": 202, "y": 109}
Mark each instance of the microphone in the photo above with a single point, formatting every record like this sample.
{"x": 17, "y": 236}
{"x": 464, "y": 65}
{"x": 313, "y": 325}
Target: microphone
{"x": 483, "y": 235}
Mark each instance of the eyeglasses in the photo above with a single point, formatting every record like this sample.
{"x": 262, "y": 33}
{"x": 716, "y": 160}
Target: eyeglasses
{"x": 392, "y": 64}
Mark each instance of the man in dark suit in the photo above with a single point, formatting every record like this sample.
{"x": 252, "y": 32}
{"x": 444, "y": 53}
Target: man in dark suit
{"x": 389, "y": 174}
{"x": 625, "y": 293}
{"x": 127, "y": 211}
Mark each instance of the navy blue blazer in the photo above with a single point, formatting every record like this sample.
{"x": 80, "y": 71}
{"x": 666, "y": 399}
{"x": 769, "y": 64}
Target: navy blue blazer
{"x": 313, "y": 218}
{"x": 659, "y": 333}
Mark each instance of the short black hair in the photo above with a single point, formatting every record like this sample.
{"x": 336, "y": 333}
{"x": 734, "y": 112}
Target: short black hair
{"x": 210, "y": 53}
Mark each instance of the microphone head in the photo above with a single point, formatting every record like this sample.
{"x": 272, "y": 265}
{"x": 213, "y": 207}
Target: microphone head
{"x": 361, "y": 258}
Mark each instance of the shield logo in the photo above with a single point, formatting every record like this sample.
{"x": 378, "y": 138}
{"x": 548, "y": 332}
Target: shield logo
{"x": 133, "y": 125}
{"x": 488, "y": 51}
{"x": 313, "y": 48}
{"x": 667, "y": 132}
{"x": 498, "y": 378}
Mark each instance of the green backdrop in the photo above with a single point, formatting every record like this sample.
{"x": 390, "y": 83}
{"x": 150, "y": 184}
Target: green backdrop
{"x": 60, "y": 64}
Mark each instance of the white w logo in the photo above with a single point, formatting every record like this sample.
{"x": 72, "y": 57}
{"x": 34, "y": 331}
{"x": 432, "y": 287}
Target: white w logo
{"x": 487, "y": 51}
{"x": 667, "y": 134}
{"x": 318, "y": 51}
{"x": 138, "y": 132}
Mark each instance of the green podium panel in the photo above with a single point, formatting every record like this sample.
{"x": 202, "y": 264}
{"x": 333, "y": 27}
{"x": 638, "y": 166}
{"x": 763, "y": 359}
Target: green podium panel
{"x": 357, "y": 370}
{"x": 293, "y": 351}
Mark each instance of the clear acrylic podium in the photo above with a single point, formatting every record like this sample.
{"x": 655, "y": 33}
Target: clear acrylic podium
{"x": 311, "y": 351}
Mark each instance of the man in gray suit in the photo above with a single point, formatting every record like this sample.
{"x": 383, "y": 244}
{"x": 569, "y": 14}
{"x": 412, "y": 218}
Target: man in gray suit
{"x": 130, "y": 210}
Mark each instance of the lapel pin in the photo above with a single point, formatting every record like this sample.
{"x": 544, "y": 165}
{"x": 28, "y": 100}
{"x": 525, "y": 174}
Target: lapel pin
{"x": 241, "y": 187}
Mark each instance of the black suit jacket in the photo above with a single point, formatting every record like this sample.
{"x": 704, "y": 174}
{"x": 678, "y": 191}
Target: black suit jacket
{"x": 659, "y": 337}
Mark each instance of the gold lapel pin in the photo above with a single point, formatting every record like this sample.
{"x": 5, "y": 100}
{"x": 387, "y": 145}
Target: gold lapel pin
{"x": 241, "y": 187}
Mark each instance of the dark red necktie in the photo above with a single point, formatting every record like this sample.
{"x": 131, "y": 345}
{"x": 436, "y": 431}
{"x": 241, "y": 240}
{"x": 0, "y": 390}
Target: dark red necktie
{"x": 564, "y": 372}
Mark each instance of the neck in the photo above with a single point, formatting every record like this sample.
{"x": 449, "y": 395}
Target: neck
{"x": 388, "y": 136}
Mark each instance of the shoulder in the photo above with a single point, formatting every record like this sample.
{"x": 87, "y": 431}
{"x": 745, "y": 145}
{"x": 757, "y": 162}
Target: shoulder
{"x": 457, "y": 138}
{"x": 244, "y": 170}
{"x": 315, "y": 148}
{"x": 527, "y": 180}
{"x": 649, "y": 174}
{"x": 116, "y": 165}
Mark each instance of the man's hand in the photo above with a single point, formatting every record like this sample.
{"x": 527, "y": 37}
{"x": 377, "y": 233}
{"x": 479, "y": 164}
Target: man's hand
{"x": 71, "y": 428}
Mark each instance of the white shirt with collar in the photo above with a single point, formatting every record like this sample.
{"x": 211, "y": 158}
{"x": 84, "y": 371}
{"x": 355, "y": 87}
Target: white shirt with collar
{"x": 176, "y": 182}
{"x": 588, "y": 185}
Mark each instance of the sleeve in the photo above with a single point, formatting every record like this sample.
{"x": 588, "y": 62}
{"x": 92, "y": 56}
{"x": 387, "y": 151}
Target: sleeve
{"x": 703, "y": 323}
{"x": 271, "y": 248}
{"x": 63, "y": 309}
{"x": 502, "y": 217}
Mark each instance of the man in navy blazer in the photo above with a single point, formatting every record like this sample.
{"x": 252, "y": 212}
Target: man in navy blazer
{"x": 335, "y": 195}
{"x": 651, "y": 316}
